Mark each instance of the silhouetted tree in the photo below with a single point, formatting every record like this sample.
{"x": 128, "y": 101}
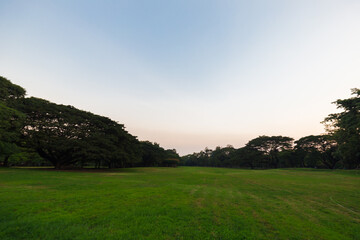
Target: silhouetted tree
{"x": 220, "y": 157}
{"x": 270, "y": 147}
{"x": 321, "y": 147}
{"x": 154, "y": 155}
{"x": 9, "y": 91}
{"x": 248, "y": 158}
{"x": 65, "y": 135}
{"x": 345, "y": 127}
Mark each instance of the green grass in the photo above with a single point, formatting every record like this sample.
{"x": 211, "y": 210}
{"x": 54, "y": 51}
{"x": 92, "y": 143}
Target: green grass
{"x": 180, "y": 203}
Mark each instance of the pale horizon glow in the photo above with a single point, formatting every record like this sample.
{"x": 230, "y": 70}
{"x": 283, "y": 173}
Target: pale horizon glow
{"x": 188, "y": 74}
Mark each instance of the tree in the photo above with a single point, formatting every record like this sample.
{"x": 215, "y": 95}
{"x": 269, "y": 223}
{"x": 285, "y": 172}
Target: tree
{"x": 345, "y": 127}
{"x": 9, "y": 91}
{"x": 11, "y": 120}
{"x": 320, "y": 147}
{"x": 247, "y": 157}
{"x": 172, "y": 158}
{"x": 170, "y": 162}
{"x": 65, "y": 135}
{"x": 270, "y": 147}
{"x": 189, "y": 160}
{"x": 154, "y": 155}
{"x": 220, "y": 157}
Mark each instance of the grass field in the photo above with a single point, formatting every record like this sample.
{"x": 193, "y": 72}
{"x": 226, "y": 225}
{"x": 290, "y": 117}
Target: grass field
{"x": 180, "y": 203}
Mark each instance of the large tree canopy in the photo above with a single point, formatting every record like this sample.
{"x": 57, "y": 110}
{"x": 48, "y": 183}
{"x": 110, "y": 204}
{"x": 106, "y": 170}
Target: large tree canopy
{"x": 248, "y": 157}
{"x": 11, "y": 120}
{"x": 271, "y": 146}
{"x": 345, "y": 127}
{"x": 65, "y": 135}
{"x": 154, "y": 155}
{"x": 10, "y": 91}
{"x": 322, "y": 147}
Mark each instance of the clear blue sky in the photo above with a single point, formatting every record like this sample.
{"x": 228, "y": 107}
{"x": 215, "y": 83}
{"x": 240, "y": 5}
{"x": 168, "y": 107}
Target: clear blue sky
{"x": 188, "y": 74}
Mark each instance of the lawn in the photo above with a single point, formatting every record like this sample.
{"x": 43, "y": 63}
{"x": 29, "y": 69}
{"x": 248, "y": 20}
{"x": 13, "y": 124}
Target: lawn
{"x": 179, "y": 203}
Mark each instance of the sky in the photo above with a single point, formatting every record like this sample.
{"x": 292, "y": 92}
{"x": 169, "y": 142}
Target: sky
{"x": 187, "y": 74}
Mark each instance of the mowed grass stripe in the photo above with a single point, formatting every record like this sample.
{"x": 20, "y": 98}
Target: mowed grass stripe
{"x": 180, "y": 203}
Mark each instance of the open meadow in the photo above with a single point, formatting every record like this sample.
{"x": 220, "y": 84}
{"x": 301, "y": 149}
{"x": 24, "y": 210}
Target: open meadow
{"x": 179, "y": 203}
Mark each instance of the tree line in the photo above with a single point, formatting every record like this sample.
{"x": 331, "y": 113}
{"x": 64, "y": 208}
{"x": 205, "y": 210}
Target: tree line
{"x": 338, "y": 148}
{"x": 34, "y": 131}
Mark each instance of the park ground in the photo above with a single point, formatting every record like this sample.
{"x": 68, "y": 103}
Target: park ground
{"x": 179, "y": 203}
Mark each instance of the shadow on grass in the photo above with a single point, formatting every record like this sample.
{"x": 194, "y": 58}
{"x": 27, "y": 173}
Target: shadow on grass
{"x": 336, "y": 171}
{"x": 84, "y": 170}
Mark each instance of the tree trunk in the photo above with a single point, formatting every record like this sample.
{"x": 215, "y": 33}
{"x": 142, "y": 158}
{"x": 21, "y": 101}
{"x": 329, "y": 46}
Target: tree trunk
{"x": 58, "y": 165}
{"x": 251, "y": 166}
{"x": 325, "y": 162}
{"x": 6, "y": 161}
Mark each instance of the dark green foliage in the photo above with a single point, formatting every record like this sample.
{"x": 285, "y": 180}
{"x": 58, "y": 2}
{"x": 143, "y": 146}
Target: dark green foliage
{"x": 270, "y": 147}
{"x": 321, "y": 148}
{"x": 11, "y": 120}
{"x": 198, "y": 159}
{"x": 222, "y": 156}
{"x": 170, "y": 162}
{"x": 154, "y": 155}
{"x": 9, "y": 91}
{"x": 248, "y": 158}
{"x": 172, "y": 158}
{"x": 66, "y": 136}
{"x": 27, "y": 158}
{"x": 345, "y": 127}
{"x": 261, "y": 152}
{"x": 271, "y": 152}
{"x": 6, "y": 150}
